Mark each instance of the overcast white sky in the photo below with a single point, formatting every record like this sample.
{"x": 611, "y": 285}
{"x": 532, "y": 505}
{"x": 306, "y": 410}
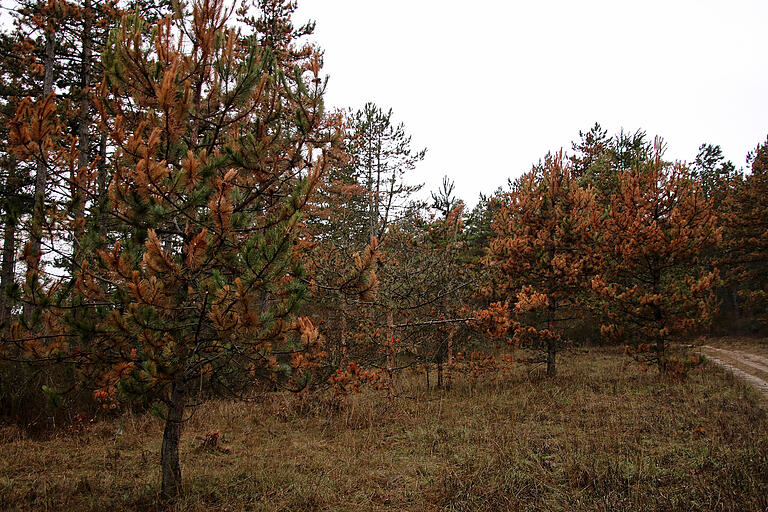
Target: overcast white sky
{"x": 490, "y": 86}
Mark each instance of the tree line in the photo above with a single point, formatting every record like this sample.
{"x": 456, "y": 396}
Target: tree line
{"x": 184, "y": 217}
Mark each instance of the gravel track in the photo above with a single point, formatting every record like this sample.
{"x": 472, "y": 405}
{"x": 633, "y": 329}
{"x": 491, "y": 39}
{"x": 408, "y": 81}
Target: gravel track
{"x": 745, "y": 365}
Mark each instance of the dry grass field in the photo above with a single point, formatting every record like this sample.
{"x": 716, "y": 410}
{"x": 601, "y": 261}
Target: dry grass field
{"x": 598, "y": 437}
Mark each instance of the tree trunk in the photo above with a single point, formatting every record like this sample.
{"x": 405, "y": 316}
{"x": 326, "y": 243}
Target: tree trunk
{"x": 6, "y": 275}
{"x": 661, "y": 343}
{"x": 390, "y": 358}
{"x": 9, "y": 244}
{"x": 78, "y": 198}
{"x": 343, "y": 312}
{"x": 102, "y": 186}
{"x": 449, "y": 366}
{"x": 551, "y": 352}
{"x": 551, "y": 344}
{"x": 101, "y": 179}
{"x": 440, "y": 357}
{"x": 38, "y": 212}
{"x": 377, "y": 195}
{"x": 372, "y": 215}
{"x": 169, "y": 453}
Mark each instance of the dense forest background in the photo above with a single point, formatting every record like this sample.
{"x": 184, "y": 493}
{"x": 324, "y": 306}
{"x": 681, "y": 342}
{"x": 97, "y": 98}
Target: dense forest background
{"x": 183, "y": 217}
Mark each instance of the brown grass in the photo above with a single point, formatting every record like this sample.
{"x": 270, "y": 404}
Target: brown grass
{"x": 598, "y": 437}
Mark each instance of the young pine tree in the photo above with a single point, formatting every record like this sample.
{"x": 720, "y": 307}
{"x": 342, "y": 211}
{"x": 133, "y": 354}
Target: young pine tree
{"x": 215, "y": 156}
{"x": 656, "y": 287}
{"x": 542, "y": 252}
{"x": 745, "y": 227}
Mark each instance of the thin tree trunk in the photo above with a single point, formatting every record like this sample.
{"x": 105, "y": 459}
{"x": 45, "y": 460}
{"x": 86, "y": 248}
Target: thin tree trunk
{"x": 661, "y": 344}
{"x": 372, "y": 214}
{"x": 551, "y": 353}
{"x": 379, "y": 229}
{"x": 83, "y": 134}
{"x": 169, "y": 452}
{"x": 343, "y": 335}
{"x": 390, "y": 358}
{"x": 551, "y": 344}
{"x": 9, "y": 244}
{"x": 449, "y": 366}
{"x": 658, "y": 317}
{"x": 101, "y": 179}
{"x": 102, "y": 185}
{"x": 50, "y": 54}
{"x": 6, "y": 276}
{"x": 440, "y": 357}
{"x": 41, "y": 178}
{"x": 9, "y": 248}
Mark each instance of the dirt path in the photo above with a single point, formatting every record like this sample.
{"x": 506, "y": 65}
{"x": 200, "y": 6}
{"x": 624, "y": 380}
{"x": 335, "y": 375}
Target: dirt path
{"x": 752, "y": 368}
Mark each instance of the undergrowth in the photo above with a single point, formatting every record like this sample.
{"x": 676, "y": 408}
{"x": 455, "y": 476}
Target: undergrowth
{"x": 602, "y": 435}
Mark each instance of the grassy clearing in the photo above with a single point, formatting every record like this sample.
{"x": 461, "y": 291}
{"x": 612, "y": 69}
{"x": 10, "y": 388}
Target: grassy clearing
{"x": 598, "y": 437}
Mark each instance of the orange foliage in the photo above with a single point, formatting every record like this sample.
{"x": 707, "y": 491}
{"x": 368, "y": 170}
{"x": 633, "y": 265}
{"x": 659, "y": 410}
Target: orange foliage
{"x": 652, "y": 281}
{"x": 542, "y": 251}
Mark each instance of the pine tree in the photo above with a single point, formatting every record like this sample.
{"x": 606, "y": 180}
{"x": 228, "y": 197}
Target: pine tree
{"x": 598, "y": 159}
{"x": 745, "y": 262}
{"x": 590, "y": 153}
{"x": 342, "y": 264}
{"x": 657, "y": 228}
{"x": 713, "y": 172}
{"x": 16, "y": 177}
{"x": 542, "y": 253}
{"x": 216, "y": 155}
{"x": 44, "y": 19}
{"x": 57, "y": 43}
{"x": 382, "y": 156}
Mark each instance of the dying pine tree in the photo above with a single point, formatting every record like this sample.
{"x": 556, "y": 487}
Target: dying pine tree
{"x": 343, "y": 268}
{"x": 219, "y": 141}
{"x": 542, "y": 252}
{"x": 655, "y": 285}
